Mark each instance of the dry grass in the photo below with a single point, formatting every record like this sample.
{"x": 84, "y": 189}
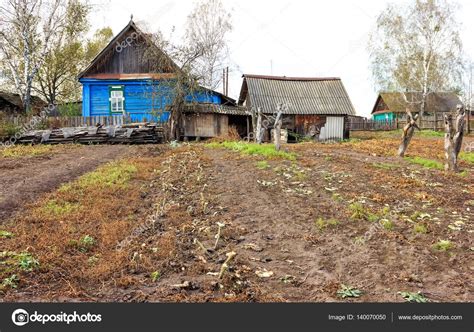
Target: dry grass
{"x": 101, "y": 206}
{"x": 21, "y": 151}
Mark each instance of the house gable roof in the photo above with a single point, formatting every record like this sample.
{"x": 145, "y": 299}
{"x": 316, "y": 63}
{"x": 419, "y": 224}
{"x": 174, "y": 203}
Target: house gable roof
{"x": 93, "y": 69}
{"x": 435, "y": 102}
{"x": 303, "y": 95}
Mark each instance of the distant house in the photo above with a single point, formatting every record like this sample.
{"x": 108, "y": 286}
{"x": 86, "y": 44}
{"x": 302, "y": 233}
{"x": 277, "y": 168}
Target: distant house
{"x": 11, "y": 104}
{"x": 392, "y": 105}
{"x": 316, "y": 107}
{"x": 131, "y": 76}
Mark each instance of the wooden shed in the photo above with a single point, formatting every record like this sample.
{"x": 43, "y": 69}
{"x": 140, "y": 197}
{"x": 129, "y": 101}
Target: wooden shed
{"x": 11, "y": 104}
{"x": 211, "y": 120}
{"x": 316, "y": 108}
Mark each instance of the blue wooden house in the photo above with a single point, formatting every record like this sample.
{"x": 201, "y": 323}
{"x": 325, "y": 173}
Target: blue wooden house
{"x": 124, "y": 79}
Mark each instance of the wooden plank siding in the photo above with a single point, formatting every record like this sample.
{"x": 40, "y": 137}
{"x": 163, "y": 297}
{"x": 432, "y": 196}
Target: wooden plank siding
{"x": 205, "y": 125}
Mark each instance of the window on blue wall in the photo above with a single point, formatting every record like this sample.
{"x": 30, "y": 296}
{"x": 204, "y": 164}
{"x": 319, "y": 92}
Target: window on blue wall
{"x": 117, "y": 100}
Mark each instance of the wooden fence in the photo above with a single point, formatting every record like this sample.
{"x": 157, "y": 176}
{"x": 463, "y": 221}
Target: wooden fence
{"x": 66, "y": 121}
{"x": 437, "y": 124}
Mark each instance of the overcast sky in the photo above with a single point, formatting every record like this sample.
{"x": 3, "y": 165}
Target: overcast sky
{"x": 284, "y": 37}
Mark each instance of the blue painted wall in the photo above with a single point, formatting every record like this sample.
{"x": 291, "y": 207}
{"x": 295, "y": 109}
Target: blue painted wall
{"x": 144, "y": 99}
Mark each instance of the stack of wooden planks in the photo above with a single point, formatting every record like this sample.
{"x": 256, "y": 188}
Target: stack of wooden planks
{"x": 129, "y": 134}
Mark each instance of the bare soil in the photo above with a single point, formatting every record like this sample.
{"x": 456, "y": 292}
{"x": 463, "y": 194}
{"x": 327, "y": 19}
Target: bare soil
{"x": 25, "y": 179}
{"x": 291, "y": 224}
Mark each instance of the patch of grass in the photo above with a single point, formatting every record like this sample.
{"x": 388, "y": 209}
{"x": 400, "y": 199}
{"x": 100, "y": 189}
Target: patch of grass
{"x": 387, "y": 166}
{"x": 427, "y": 163}
{"x": 323, "y": 224}
{"x": 467, "y": 156}
{"x": 86, "y": 243}
{"x": 348, "y": 291}
{"x": 5, "y": 235}
{"x": 262, "y": 164}
{"x": 337, "y": 197}
{"x": 155, "y": 276}
{"x": 116, "y": 174}
{"x": 8, "y": 129}
{"x": 417, "y": 297}
{"x": 386, "y": 224}
{"x": 359, "y": 240}
{"x": 359, "y": 211}
{"x": 266, "y": 150}
{"x": 420, "y": 229}
{"x": 27, "y": 262}
{"x": 10, "y": 282}
{"x": 443, "y": 245}
{"x": 19, "y": 151}
{"x": 59, "y": 209}
{"x": 429, "y": 133}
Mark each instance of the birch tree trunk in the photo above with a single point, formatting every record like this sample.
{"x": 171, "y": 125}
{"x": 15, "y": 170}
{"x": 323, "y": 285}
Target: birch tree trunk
{"x": 448, "y": 145}
{"x": 408, "y": 131}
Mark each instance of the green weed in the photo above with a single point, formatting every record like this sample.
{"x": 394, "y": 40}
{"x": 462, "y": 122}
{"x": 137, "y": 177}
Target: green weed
{"x": 348, "y": 291}
{"x": 443, "y": 245}
{"x": 323, "y": 224}
{"x": 5, "y": 235}
{"x": 413, "y": 297}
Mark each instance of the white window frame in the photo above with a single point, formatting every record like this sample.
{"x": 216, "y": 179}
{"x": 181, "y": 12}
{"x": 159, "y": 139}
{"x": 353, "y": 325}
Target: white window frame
{"x": 117, "y": 100}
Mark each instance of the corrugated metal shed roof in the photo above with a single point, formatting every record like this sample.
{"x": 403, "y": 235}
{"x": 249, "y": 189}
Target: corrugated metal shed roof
{"x": 215, "y": 108}
{"x": 303, "y": 95}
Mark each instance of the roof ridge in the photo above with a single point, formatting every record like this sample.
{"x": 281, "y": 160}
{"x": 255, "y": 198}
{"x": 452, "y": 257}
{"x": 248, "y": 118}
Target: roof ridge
{"x": 291, "y": 78}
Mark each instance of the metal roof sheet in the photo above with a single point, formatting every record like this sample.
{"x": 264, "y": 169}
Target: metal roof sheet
{"x": 303, "y": 95}
{"x": 215, "y": 108}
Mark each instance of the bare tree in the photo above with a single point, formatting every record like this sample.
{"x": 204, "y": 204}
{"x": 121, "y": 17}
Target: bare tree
{"x": 57, "y": 77}
{"x": 208, "y": 26}
{"x": 27, "y": 28}
{"x": 417, "y": 48}
{"x": 177, "y": 63}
